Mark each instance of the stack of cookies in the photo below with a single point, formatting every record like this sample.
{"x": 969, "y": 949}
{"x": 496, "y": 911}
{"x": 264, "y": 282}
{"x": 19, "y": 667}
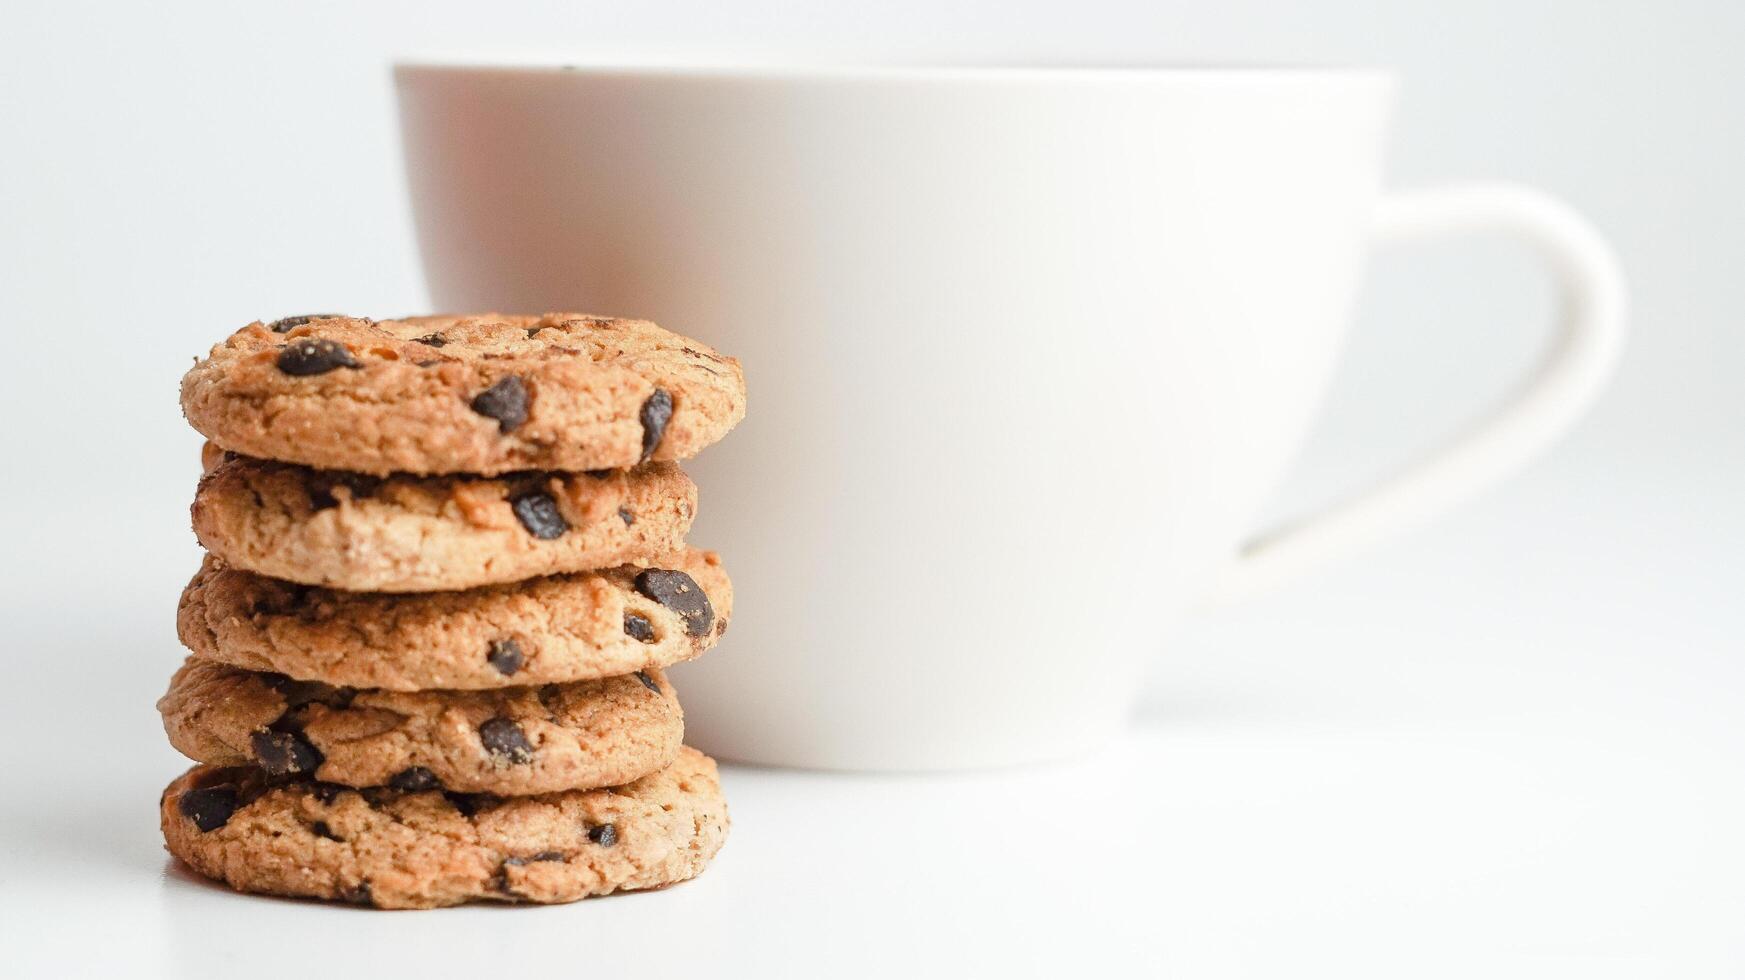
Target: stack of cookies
{"x": 446, "y": 567}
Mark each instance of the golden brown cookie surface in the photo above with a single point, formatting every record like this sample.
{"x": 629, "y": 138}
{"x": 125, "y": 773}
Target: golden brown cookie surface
{"x": 423, "y": 849}
{"x": 507, "y": 741}
{"x": 417, "y": 534}
{"x": 483, "y": 394}
{"x": 555, "y": 629}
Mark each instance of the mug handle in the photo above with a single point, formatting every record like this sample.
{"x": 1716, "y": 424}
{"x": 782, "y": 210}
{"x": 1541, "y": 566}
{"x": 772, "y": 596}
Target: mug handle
{"x": 1591, "y": 301}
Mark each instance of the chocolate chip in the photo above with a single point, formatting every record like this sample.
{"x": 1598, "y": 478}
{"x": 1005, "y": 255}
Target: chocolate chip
{"x": 469, "y": 804}
{"x": 281, "y": 753}
{"x": 531, "y": 331}
{"x": 284, "y": 325}
{"x": 626, "y": 515}
{"x": 209, "y": 808}
{"x": 680, "y": 593}
{"x": 516, "y": 862}
{"x": 505, "y": 401}
{"x": 431, "y": 340}
{"x": 327, "y": 792}
{"x": 657, "y": 411}
{"x": 321, "y": 829}
{"x": 638, "y": 626}
{"x": 604, "y": 835}
{"x": 314, "y": 355}
{"x": 297, "y": 693}
{"x": 321, "y": 483}
{"x": 601, "y": 474}
{"x": 500, "y": 736}
{"x": 551, "y": 699}
{"x": 506, "y": 656}
{"x": 359, "y": 895}
{"x": 538, "y": 513}
{"x": 647, "y": 681}
{"x": 417, "y": 779}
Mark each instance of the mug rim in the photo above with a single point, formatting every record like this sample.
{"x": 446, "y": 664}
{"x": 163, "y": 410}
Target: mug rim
{"x": 804, "y": 72}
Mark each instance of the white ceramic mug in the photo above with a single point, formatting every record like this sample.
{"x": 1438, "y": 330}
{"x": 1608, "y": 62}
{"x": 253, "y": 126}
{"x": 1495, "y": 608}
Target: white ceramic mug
{"x": 1026, "y": 349}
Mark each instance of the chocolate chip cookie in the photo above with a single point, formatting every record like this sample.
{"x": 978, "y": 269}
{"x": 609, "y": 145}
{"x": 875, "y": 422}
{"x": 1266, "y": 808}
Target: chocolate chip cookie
{"x": 554, "y": 629}
{"x": 508, "y": 741}
{"x": 416, "y": 534}
{"x": 486, "y": 394}
{"x": 425, "y": 848}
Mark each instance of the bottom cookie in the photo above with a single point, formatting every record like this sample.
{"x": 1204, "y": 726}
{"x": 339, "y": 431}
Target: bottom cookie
{"x": 405, "y": 850}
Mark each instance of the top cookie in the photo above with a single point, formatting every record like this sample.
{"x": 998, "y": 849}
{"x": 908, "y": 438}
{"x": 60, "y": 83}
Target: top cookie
{"x": 484, "y": 394}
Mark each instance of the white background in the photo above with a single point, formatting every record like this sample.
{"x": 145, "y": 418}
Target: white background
{"x": 1511, "y": 743}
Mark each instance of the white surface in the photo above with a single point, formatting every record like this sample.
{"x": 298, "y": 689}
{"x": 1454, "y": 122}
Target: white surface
{"x": 1510, "y": 746}
{"x": 1479, "y": 757}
